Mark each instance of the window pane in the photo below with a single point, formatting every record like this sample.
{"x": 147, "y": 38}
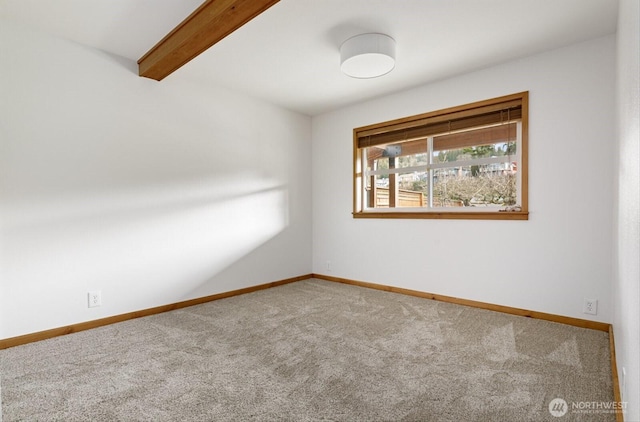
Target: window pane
{"x": 468, "y": 185}
{"x": 497, "y": 149}
{"x": 402, "y": 155}
{"x": 411, "y": 192}
{"x": 475, "y": 186}
{"x": 413, "y": 189}
{"x": 378, "y": 191}
{"x": 420, "y": 159}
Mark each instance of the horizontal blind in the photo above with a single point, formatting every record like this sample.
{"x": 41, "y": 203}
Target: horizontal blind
{"x": 423, "y": 126}
{"x": 484, "y": 136}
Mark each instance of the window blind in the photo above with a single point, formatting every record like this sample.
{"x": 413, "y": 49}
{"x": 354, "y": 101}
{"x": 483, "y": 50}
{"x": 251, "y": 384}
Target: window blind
{"x": 423, "y": 126}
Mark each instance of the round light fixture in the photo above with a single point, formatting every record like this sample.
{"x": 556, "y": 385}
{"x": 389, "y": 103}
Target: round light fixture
{"x": 368, "y": 56}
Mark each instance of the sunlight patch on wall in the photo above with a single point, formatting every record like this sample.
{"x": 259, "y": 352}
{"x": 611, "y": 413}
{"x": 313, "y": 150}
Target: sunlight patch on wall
{"x": 147, "y": 245}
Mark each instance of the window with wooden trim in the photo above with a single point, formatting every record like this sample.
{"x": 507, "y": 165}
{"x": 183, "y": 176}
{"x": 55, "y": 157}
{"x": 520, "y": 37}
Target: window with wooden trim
{"x": 465, "y": 162}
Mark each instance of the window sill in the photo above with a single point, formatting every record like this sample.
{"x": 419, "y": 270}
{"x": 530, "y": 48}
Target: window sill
{"x": 443, "y": 215}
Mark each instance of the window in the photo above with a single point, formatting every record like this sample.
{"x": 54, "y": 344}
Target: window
{"x": 466, "y": 162}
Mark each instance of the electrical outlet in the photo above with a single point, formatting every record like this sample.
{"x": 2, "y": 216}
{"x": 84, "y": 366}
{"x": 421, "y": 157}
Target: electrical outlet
{"x": 590, "y": 306}
{"x": 328, "y": 266}
{"x": 95, "y": 299}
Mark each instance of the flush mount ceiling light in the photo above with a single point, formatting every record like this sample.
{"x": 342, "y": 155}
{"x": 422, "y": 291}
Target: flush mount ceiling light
{"x": 368, "y": 56}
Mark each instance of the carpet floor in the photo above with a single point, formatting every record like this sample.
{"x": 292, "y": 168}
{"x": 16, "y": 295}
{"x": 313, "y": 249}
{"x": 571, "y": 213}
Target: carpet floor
{"x": 312, "y": 351}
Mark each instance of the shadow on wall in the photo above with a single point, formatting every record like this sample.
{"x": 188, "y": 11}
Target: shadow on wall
{"x": 143, "y": 190}
{"x": 153, "y": 243}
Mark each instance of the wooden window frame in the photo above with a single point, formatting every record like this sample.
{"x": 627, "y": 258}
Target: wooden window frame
{"x": 443, "y": 122}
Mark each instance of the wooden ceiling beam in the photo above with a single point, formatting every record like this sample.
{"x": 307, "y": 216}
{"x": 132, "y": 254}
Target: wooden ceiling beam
{"x": 208, "y": 24}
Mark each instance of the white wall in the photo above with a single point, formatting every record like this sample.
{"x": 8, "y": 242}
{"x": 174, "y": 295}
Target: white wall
{"x": 626, "y": 288}
{"x": 151, "y": 192}
{"x": 549, "y": 263}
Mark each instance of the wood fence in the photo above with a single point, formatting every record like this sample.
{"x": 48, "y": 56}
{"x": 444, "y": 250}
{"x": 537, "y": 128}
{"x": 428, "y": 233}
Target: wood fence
{"x": 410, "y": 198}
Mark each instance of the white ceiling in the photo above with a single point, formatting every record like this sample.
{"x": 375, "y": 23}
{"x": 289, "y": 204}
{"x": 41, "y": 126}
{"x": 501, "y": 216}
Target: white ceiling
{"x": 289, "y": 55}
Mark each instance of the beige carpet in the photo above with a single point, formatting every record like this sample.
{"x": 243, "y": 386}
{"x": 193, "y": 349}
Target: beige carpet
{"x": 311, "y": 351}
